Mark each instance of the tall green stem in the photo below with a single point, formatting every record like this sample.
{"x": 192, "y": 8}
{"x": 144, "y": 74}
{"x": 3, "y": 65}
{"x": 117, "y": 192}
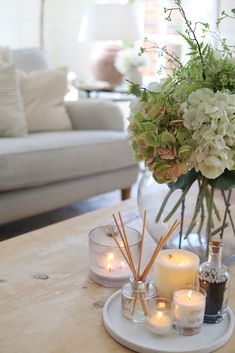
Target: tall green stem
{"x": 227, "y": 205}
{"x": 181, "y": 222}
{"x": 210, "y": 200}
{"x": 163, "y": 205}
{"x": 200, "y": 198}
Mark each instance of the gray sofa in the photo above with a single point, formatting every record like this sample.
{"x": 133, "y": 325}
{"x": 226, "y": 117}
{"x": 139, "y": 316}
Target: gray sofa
{"x": 49, "y": 170}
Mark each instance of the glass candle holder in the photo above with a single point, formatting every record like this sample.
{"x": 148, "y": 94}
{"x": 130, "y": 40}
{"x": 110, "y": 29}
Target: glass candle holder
{"x": 189, "y": 308}
{"x": 160, "y": 316}
{"x": 107, "y": 265}
{"x": 135, "y": 296}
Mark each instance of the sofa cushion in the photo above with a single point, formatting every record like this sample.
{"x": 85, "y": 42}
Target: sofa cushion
{"x": 30, "y": 59}
{"x": 12, "y": 118}
{"x": 43, "y": 95}
{"x": 44, "y": 158}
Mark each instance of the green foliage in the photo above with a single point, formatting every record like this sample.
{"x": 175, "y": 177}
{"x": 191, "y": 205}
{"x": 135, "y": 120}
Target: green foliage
{"x": 158, "y": 132}
{"x": 135, "y": 90}
{"x": 184, "y": 181}
{"x": 225, "y": 181}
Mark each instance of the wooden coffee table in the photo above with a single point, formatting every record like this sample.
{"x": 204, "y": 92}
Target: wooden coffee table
{"x": 48, "y": 304}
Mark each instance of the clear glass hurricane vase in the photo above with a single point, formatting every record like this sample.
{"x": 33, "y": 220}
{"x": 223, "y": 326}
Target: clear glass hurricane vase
{"x": 194, "y": 232}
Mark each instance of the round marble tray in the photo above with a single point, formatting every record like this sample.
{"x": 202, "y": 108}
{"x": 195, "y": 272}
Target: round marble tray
{"x": 137, "y": 338}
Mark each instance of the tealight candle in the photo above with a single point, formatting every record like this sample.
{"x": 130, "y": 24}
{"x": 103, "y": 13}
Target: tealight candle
{"x": 189, "y": 307}
{"x": 107, "y": 265}
{"x": 159, "y": 319}
{"x": 174, "y": 268}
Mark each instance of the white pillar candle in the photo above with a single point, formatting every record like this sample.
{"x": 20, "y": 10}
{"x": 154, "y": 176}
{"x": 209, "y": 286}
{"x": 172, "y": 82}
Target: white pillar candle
{"x": 159, "y": 323}
{"x": 174, "y": 268}
{"x": 189, "y": 308}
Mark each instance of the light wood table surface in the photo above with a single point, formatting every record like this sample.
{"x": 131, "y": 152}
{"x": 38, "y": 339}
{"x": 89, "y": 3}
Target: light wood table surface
{"x": 61, "y": 314}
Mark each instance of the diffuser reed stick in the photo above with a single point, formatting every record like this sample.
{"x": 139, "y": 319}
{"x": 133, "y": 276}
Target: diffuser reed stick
{"x": 126, "y": 252}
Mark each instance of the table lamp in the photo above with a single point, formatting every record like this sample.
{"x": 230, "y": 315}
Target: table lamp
{"x": 113, "y": 23}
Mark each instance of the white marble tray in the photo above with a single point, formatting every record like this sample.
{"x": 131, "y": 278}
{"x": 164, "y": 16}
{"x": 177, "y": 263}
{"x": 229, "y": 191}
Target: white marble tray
{"x": 137, "y": 338}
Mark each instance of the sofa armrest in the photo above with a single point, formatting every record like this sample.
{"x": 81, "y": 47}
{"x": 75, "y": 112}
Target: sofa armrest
{"x": 95, "y": 114}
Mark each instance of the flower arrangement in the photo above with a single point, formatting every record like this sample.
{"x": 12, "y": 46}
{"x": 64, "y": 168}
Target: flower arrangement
{"x": 184, "y": 128}
{"x": 128, "y": 59}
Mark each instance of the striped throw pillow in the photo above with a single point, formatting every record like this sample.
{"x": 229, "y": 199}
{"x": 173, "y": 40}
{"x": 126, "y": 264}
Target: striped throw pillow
{"x": 12, "y": 117}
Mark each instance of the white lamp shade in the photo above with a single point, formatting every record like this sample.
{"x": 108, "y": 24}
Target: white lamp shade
{"x": 112, "y": 22}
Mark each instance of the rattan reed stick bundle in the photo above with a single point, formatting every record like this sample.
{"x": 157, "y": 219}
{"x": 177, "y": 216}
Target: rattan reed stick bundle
{"x": 126, "y": 252}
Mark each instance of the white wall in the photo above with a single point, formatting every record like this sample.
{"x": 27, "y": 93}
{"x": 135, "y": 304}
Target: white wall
{"x": 19, "y": 24}
{"x": 227, "y": 26}
{"x": 19, "y": 27}
{"x": 61, "y": 34}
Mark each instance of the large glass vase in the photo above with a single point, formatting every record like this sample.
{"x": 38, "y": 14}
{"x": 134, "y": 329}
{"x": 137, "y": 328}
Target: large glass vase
{"x": 154, "y": 197}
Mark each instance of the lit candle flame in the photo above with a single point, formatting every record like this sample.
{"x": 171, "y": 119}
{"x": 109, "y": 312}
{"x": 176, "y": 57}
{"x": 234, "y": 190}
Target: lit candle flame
{"x": 161, "y": 305}
{"x": 159, "y": 315}
{"x": 110, "y": 256}
{"x": 189, "y": 295}
{"x": 109, "y": 267}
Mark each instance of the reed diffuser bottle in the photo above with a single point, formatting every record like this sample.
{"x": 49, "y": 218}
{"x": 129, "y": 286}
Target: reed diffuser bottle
{"x": 139, "y": 290}
{"x": 214, "y": 278}
{"x": 135, "y": 297}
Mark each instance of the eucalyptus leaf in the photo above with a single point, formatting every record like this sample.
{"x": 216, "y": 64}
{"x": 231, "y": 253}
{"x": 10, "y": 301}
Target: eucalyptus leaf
{"x": 184, "y": 181}
{"x": 225, "y": 181}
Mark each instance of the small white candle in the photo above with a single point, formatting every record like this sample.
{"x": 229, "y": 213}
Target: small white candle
{"x": 189, "y": 307}
{"x": 159, "y": 323}
{"x": 174, "y": 268}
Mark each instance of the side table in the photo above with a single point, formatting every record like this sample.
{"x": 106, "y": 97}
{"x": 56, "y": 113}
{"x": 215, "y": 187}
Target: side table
{"x": 103, "y": 90}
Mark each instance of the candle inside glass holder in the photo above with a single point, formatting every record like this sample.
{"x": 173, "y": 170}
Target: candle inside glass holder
{"x": 106, "y": 263}
{"x": 189, "y": 308}
{"x": 160, "y": 316}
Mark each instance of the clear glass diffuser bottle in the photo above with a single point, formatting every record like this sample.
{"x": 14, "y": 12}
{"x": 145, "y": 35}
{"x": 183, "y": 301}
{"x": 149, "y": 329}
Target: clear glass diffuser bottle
{"x": 214, "y": 278}
{"x": 135, "y": 297}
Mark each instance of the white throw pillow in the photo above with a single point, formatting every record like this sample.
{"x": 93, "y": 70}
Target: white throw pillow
{"x": 43, "y": 94}
{"x": 12, "y": 117}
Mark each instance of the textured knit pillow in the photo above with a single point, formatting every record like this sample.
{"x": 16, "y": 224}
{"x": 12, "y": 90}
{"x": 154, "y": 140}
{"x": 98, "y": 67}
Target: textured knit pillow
{"x": 43, "y": 94}
{"x": 12, "y": 118}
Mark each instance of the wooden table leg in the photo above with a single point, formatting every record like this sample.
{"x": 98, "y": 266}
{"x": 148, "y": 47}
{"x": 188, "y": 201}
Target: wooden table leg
{"x": 126, "y": 193}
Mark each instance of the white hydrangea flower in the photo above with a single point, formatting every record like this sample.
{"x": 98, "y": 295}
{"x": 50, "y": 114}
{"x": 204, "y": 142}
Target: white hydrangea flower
{"x": 128, "y": 59}
{"x": 156, "y": 86}
{"x": 211, "y": 119}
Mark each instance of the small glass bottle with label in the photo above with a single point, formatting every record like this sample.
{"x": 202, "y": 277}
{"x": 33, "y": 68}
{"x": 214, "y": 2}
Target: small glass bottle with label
{"x": 214, "y": 278}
